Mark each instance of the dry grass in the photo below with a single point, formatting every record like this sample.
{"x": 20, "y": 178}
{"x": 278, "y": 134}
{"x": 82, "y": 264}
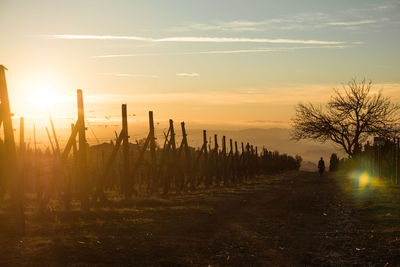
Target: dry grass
{"x": 291, "y": 219}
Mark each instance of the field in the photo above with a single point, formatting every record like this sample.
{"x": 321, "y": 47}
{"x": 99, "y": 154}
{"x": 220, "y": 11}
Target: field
{"x": 296, "y": 218}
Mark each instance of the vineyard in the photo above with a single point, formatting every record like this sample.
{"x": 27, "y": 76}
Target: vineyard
{"x": 81, "y": 177}
{"x": 380, "y": 159}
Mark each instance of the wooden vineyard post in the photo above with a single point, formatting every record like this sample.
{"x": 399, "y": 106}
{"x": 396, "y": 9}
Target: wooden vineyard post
{"x": 241, "y": 164}
{"x": 74, "y": 146}
{"x": 22, "y": 148}
{"x": 165, "y": 176}
{"x": 205, "y": 173}
{"x": 248, "y": 154}
{"x": 265, "y": 159}
{"x": 205, "y": 140}
{"x": 36, "y": 167}
{"x": 256, "y": 170}
{"x": 236, "y": 163}
{"x": 108, "y": 168}
{"x": 21, "y": 136}
{"x": 153, "y": 171}
{"x": 17, "y": 207}
{"x": 176, "y": 177}
{"x": 215, "y": 143}
{"x": 223, "y": 146}
{"x": 217, "y": 171}
{"x": 231, "y": 162}
{"x": 224, "y": 164}
{"x": 22, "y": 145}
{"x": 246, "y": 161}
{"x": 125, "y": 153}
{"x": 251, "y": 162}
{"x": 54, "y": 135}
{"x": 82, "y": 155}
{"x": 34, "y": 138}
{"x": 184, "y": 143}
{"x": 184, "y": 136}
{"x": 76, "y": 170}
{"x": 172, "y": 140}
{"x": 171, "y": 154}
{"x": 236, "y": 148}
{"x": 186, "y": 175}
{"x": 72, "y": 174}
{"x": 51, "y": 141}
{"x": 153, "y": 163}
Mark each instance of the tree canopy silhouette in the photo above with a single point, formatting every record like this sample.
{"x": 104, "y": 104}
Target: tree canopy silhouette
{"x": 349, "y": 118}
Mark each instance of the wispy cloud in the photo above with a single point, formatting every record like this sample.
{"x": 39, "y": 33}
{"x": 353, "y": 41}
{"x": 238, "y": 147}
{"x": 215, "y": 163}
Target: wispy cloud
{"x": 351, "y": 23}
{"x": 235, "y": 26}
{"x": 244, "y": 40}
{"x": 300, "y": 21}
{"x": 193, "y": 39}
{"x": 127, "y": 55}
{"x": 96, "y": 37}
{"x": 238, "y": 51}
{"x": 264, "y": 50}
{"x": 116, "y": 74}
{"x": 185, "y": 74}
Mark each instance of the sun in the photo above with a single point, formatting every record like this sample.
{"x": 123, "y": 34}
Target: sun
{"x": 44, "y": 98}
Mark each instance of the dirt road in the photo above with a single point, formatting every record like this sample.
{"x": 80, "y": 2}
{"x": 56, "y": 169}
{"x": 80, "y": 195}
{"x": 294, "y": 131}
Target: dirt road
{"x": 293, "y": 219}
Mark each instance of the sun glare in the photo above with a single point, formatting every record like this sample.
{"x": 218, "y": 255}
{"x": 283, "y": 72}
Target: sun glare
{"x": 44, "y": 98}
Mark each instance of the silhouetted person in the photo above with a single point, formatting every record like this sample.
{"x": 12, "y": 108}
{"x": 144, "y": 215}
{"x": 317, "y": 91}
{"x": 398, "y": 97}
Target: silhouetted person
{"x": 321, "y": 166}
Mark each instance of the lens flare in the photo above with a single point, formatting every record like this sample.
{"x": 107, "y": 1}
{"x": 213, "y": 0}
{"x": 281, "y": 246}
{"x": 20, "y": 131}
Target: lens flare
{"x": 364, "y": 180}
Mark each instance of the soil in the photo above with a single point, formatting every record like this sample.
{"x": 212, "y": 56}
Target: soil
{"x": 292, "y": 219}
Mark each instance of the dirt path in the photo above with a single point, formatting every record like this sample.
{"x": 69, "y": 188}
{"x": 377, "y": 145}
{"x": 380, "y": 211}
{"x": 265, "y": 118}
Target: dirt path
{"x": 293, "y": 219}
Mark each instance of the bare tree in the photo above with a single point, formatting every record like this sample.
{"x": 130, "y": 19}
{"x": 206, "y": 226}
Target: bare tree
{"x": 349, "y": 118}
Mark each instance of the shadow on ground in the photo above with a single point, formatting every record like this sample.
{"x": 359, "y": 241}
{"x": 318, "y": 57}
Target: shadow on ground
{"x": 295, "y": 218}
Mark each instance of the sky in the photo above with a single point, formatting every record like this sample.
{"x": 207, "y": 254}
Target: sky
{"x": 235, "y": 64}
